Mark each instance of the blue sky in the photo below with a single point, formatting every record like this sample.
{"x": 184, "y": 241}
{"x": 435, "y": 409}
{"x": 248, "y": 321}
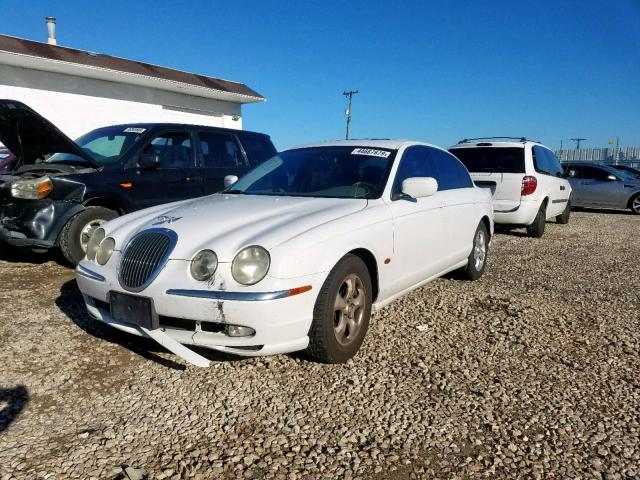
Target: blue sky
{"x": 434, "y": 71}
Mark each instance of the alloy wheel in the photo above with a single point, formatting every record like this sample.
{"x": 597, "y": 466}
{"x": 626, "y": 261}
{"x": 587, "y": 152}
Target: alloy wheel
{"x": 348, "y": 311}
{"x": 479, "y": 250}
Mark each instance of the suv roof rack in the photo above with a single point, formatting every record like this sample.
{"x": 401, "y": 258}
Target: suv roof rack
{"x": 519, "y": 139}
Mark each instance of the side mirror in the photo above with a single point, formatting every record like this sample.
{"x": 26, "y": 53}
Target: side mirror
{"x": 149, "y": 160}
{"x": 419, "y": 187}
{"x": 612, "y": 178}
{"x": 230, "y": 180}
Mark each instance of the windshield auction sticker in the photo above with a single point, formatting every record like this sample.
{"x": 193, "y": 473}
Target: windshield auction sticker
{"x": 371, "y": 152}
{"x": 134, "y": 130}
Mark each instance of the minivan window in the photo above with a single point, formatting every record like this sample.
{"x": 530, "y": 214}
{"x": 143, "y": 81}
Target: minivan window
{"x": 104, "y": 145}
{"x": 174, "y": 150}
{"x": 545, "y": 162}
{"x": 220, "y": 150}
{"x": 491, "y": 159}
{"x": 258, "y": 148}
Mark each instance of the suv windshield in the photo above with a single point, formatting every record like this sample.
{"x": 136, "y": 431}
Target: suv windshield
{"x": 104, "y": 145}
{"x": 332, "y": 172}
{"x": 491, "y": 159}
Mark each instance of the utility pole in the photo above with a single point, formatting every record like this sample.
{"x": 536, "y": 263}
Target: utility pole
{"x": 578, "y": 140}
{"x": 349, "y": 95}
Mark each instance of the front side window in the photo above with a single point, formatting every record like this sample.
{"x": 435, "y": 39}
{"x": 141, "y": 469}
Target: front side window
{"x": 415, "y": 162}
{"x": 220, "y": 150}
{"x": 491, "y": 159}
{"x": 450, "y": 172}
{"x": 329, "y": 172}
{"x": 104, "y": 145}
{"x": 174, "y": 150}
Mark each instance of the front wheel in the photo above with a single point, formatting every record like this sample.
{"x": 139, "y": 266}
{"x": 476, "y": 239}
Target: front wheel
{"x": 477, "y": 260}
{"x": 563, "y": 218}
{"x": 341, "y": 313}
{"x": 76, "y": 233}
{"x": 536, "y": 229}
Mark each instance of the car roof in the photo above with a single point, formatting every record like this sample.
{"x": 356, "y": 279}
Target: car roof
{"x": 489, "y": 142}
{"x": 371, "y": 143}
{"x": 156, "y": 125}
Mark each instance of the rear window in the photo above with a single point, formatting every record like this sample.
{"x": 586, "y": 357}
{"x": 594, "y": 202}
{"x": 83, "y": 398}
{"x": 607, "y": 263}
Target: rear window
{"x": 491, "y": 159}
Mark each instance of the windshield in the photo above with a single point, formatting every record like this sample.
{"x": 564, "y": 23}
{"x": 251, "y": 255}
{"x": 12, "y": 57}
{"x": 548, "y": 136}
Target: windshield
{"x": 491, "y": 159}
{"x": 104, "y": 145}
{"x": 332, "y": 172}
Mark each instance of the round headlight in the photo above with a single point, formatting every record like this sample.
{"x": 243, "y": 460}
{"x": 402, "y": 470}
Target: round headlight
{"x": 92, "y": 247}
{"x": 204, "y": 265}
{"x": 250, "y": 265}
{"x": 105, "y": 250}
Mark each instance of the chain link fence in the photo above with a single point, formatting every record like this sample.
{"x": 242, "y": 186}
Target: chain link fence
{"x": 621, "y": 155}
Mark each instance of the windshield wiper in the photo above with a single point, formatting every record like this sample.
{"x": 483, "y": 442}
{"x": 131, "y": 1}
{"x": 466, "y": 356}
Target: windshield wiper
{"x": 234, "y": 191}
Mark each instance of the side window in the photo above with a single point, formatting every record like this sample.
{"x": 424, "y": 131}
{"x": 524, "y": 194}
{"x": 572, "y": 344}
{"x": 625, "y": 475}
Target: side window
{"x": 553, "y": 164}
{"x": 540, "y": 160}
{"x": 220, "y": 150}
{"x": 174, "y": 149}
{"x": 258, "y": 149}
{"x": 595, "y": 173}
{"x": 574, "y": 172}
{"x": 415, "y": 162}
{"x": 450, "y": 172}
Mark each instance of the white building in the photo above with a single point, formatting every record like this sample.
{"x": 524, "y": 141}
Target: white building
{"x": 79, "y": 91}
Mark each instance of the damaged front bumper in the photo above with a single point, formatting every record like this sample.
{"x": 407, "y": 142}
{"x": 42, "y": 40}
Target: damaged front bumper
{"x": 189, "y": 314}
{"x": 35, "y": 223}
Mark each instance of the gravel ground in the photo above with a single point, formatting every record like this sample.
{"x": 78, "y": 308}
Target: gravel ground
{"x": 531, "y": 372}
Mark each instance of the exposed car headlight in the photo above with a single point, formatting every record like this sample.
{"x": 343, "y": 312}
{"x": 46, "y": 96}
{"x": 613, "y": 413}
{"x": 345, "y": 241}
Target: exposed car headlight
{"x": 94, "y": 242}
{"x": 105, "y": 250}
{"x": 32, "y": 189}
{"x": 204, "y": 265}
{"x": 250, "y": 265}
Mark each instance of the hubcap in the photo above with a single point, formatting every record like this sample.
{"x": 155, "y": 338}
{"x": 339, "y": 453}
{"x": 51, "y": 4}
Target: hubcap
{"x": 479, "y": 250}
{"x": 348, "y": 311}
{"x": 636, "y": 205}
{"x": 87, "y": 231}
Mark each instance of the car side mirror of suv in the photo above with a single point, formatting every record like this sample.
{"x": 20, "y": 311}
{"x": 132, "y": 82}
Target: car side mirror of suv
{"x": 612, "y": 178}
{"x": 230, "y": 180}
{"x": 149, "y": 160}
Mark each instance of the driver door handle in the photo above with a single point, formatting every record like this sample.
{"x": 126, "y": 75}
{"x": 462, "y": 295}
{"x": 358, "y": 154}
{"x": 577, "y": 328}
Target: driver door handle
{"x": 191, "y": 179}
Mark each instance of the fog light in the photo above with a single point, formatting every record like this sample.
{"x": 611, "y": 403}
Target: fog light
{"x": 238, "y": 331}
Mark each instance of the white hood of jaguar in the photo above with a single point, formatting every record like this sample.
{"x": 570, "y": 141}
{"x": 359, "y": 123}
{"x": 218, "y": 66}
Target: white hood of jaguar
{"x": 225, "y": 223}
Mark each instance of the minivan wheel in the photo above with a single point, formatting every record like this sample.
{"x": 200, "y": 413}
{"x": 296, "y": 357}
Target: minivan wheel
{"x": 76, "y": 233}
{"x": 634, "y": 204}
{"x": 563, "y": 218}
{"x": 477, "y": 260}
{"x": 341, "y": 313}
{"x": 536, "y": 229}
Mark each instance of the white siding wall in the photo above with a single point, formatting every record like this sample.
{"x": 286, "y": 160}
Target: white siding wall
{"x": 77, "y": 105}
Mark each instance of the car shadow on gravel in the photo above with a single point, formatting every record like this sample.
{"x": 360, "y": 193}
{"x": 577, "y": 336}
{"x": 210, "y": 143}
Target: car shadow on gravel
{"x": 26, "y": 255}
{"x": 608, "y": 211}
{"x": 12, "y": 402}
{"x": 70, "y": 302}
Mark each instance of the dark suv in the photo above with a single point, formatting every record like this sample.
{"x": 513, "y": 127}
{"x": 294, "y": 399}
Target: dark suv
{"x": 59, "y": 190}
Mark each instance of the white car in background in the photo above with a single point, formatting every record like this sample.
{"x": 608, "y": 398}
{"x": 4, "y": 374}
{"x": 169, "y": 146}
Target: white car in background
{"x": 295, "y": 255}
{"x": 527, "y": 182}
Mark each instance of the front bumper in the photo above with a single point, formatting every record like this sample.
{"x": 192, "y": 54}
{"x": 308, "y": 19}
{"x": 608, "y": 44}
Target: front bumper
{"x": 195, "y": 313}
{"x": 35, "y": 223}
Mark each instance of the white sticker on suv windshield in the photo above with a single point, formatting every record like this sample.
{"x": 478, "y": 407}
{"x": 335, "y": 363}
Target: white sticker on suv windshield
{"x": 371, "y": 152}
{"x": 134, "y": 130}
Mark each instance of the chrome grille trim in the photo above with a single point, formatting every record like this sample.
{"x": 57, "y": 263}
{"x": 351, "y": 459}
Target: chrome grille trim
{"x": 144, "y": 256}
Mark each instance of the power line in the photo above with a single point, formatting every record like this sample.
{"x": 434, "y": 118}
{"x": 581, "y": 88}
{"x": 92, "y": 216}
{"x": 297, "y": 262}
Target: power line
{"x": 349, "y": 95}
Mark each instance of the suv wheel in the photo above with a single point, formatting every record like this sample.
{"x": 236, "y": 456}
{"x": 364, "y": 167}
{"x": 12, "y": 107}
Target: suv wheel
{"x": 563, "y": 218}
{"x": 341, "y": 313}
{"x": 536, "y": 229}
{"x": 76, "y": 233}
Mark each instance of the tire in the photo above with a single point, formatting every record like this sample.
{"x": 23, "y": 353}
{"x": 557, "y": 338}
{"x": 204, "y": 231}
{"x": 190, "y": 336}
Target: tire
{"x": 77, "y": 231}
{"x": 477, "y": 260}
{"x": 536, "y": 229}
{"x": 634, "y": 205}
{"x": 563, "y": 218}
{"x": 331, "y": 337}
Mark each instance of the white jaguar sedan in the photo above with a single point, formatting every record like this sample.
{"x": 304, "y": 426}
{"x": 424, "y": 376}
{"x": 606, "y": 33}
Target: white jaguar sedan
{"x": 295, "y": 255}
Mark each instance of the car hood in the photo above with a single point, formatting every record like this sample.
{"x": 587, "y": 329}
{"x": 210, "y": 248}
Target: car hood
{"x": 226, "y": 223}
{"x": 19, "y": 124}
